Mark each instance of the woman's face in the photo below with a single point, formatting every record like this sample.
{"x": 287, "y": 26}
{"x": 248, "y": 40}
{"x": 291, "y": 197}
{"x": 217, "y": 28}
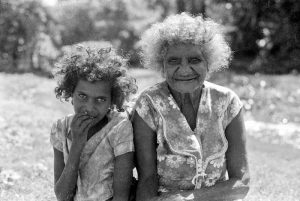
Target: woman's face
{"x": 185, "y": 67}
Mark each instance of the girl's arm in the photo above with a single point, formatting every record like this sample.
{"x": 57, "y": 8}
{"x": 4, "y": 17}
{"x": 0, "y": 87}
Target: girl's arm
{"x": 65, "y": 175}
{"x": 122, "y": 176}
{"x": 145, "y": 149}
{"x": 237, "y": 186}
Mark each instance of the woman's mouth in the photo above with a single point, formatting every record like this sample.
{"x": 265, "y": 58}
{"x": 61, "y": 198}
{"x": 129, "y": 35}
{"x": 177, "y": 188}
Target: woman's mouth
{"x": 185, "y": 78}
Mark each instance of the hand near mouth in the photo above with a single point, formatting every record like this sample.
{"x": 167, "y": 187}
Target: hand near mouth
{"x": 80, "y": 126}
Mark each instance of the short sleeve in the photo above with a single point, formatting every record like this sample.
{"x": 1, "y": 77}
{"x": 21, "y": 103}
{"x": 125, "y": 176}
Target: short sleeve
{"x": 234, "y": 107}
{"x": 56, "y": 135}
{"x": 146, "y": 111}
{"x": 122, "y": 138}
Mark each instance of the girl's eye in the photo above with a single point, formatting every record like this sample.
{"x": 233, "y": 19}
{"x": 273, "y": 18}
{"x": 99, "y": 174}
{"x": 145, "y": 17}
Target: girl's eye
{"x": 82, "y": 96}
{"x": 174, "y": 61}
{"x": 101, "y": 100}
{"x": 194, "y": 60}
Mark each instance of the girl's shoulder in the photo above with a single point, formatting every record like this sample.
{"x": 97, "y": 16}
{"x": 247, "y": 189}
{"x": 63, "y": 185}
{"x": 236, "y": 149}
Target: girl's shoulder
{"x": 117, "y": 118}
{"x": 59, "y": 131}
{"x": 62, "y": 125}
{"x": 65, "y": 121}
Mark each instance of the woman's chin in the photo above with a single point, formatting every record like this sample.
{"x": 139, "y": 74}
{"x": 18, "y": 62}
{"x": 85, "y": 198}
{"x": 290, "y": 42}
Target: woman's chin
{"x": 185, "y": 86}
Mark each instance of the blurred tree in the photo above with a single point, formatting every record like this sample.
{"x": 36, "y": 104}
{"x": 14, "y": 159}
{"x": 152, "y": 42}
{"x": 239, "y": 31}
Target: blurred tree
{"x": 265, "y": 35}
{"x": 279, "y": 47}
{"x": 22, "y": 24}
{"x": 118, "y": 21}
{"x": 194, "y": 7}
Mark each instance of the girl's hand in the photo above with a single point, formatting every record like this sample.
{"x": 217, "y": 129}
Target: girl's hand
{"x": 80, "y": 126}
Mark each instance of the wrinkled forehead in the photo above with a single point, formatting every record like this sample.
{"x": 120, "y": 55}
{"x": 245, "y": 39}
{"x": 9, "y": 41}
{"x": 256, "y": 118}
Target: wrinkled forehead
{"x": 183, "y": 49}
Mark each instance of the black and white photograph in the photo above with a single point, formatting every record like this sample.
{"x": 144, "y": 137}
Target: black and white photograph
{"x": 149, "y": 100}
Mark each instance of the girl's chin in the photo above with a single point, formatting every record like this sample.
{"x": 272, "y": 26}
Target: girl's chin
{"x": 90, "y": 115}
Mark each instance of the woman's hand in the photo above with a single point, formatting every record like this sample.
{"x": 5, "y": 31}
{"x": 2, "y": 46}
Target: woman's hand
{"x": 174, "y": 197}
{"x": 80, "y": 126}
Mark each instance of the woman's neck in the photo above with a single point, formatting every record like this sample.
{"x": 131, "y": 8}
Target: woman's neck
{"x": 194, "y": 96}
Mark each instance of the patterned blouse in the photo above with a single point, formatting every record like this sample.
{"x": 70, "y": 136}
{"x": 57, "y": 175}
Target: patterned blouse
{"x": 189, "y": 159}
{"x": 95, "y": 179}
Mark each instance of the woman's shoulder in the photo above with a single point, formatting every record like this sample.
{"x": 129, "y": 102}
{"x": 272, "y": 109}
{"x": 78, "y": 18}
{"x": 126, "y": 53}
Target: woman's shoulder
{"x": 218, "y": 89}
{"x": 158, "y": 87}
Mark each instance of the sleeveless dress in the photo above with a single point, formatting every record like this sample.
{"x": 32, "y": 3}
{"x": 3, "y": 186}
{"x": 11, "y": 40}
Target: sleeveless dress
{"x": 189, "y": 159}
{"x": 95, "y": 178}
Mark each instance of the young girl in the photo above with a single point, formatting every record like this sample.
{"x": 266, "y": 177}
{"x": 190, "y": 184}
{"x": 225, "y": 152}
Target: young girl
{"x": 93, "y": 148}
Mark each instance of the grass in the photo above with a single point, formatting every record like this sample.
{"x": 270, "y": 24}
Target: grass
{"x": 28, "y": 107}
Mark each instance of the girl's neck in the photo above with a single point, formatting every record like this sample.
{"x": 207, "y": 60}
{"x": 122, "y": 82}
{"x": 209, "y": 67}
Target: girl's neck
{"x": 97, "y": 127}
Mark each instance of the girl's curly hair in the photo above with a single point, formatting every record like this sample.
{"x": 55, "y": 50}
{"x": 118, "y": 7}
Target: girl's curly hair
{"x": 94, "y": 65}
{"x": 187, "y": 29}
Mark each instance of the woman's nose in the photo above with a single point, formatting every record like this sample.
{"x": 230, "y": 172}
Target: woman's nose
{"x": 184, "y": 67}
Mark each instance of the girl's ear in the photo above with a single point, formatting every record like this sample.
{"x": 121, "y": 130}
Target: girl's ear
{"x": 72, "y": 101}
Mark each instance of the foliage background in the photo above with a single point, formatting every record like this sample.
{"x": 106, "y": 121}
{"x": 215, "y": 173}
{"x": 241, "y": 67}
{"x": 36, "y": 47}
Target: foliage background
{"x": 264, "y": 34}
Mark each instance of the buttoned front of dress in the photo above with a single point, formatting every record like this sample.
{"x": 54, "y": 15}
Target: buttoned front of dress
{"x": 186, "y": 158}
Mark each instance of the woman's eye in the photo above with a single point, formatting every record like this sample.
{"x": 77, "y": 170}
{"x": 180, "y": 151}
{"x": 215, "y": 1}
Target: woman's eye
{"x": 194, "y": 60}
{"x": 173, "y": 61}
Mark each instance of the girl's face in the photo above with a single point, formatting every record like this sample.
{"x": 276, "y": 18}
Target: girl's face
{"x": 185, "y": 67}
{"x": 92, "y": 97}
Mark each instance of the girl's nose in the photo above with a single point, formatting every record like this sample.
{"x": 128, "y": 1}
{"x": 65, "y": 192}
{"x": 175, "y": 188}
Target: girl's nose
{"x": 89, "y": 107}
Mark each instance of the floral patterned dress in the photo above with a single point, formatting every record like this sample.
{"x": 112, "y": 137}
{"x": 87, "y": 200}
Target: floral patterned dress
{"x": 189, "y": 159}
{"x": 95, "y": 178}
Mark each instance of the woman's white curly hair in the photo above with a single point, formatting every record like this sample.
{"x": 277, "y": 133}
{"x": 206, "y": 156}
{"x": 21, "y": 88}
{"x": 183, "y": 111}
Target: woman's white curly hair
{"x": 187, "y": 29}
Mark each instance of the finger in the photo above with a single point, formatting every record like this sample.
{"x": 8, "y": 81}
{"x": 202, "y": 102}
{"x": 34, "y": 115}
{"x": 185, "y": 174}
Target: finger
{"x": 86, "y": 124}
{"x": 76, "y": 122}
{"x": 83, "y": 119}
{"x": 79, "y": 115}
{"x": 92, "y": 123}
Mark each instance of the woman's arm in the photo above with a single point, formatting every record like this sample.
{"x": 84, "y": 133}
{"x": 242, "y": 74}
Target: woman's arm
{"x": 145, "y": 149}
{"x": 237, "y": 186}
{"x": 122, "y": 176}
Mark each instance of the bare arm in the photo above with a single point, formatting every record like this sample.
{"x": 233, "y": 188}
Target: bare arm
{"x": 145, "y": 146}
{"x": 65, "y": 175}
{"x": 122, "y": 176}
{"x": 237, "y": 186}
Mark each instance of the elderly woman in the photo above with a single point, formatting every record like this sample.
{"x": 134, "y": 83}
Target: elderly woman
{"x": 189, "y": 133}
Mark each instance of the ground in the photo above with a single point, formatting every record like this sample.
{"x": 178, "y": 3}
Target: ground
{"x": 28, "y": 107}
